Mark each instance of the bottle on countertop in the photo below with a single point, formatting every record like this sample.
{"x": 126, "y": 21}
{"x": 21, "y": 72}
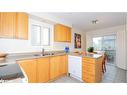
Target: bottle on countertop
{"x": 66, "y": 49}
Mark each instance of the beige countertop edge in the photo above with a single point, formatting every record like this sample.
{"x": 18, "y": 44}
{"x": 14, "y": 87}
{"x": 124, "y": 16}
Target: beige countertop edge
{"x": 14, "y": 59}
{"x": 35, "y": 57}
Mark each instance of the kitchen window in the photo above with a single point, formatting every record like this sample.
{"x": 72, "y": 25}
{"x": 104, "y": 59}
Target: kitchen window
{"x": 40, "y": 35}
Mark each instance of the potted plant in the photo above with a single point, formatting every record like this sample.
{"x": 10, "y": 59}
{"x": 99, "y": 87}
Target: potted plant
{"x": 90, "y": 49}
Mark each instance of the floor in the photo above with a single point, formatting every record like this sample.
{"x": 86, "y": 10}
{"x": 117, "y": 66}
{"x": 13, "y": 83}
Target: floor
{"x": 112, "y": 75}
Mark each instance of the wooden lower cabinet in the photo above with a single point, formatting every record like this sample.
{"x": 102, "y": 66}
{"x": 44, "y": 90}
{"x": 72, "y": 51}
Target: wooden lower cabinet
{"x": 29, "y": 67}
{"x": 92, "y": 70}
{"x": 43, "y": 70}
{"x": 58, "y": 66}
{"x": 63, "y": 64}
{"x": 54, "y": 67}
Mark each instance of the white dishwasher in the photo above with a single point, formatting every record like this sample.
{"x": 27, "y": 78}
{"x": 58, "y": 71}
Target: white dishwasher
{"x": 75, "y": 67}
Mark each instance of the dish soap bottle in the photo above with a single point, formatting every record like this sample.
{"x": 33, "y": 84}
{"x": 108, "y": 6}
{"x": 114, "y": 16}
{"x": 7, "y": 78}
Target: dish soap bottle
{"x": 66, "y": 49}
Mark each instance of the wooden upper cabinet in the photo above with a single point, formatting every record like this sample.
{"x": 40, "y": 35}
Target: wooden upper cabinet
{"x": 43, "y": 70}
{"x": 22, "y": 26}
{"x": 68, "y": 34}
{"x": 62, "y": 33}
{"x": 7, "y": 24}
{"x": 14, "y": 25}
{"x": 29, "y": 67}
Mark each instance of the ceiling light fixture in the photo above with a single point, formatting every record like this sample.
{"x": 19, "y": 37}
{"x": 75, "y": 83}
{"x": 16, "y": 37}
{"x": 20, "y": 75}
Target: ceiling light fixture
{"x": 94, "y": 21}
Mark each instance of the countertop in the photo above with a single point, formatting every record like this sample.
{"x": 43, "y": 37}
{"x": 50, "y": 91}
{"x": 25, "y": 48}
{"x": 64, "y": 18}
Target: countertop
{"x": 14, "y": 58}
{"x": 95, "y": 56}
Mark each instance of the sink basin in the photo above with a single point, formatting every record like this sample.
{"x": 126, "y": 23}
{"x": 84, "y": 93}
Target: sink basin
{"x": 43, "y": 54}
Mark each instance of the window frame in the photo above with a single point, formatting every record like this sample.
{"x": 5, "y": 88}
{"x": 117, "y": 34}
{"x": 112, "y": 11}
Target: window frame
{"x": 49, "y": 42}
{"x": 42, "y": 25}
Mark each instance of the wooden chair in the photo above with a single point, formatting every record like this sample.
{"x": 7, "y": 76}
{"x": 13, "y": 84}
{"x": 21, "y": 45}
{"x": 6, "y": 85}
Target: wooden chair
{"x": 104, "y": 61}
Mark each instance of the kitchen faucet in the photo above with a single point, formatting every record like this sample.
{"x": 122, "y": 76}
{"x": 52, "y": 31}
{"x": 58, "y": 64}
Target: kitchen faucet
{"x": 43, "y": 51}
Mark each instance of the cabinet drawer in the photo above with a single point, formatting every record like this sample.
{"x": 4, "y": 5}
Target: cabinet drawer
{"x": 88, "y": 65}
{"x": 89, "y": 70}
{"x": 90, "y": 60}
{"x": 88, "y": 78}
{"x": 86, "y": 73}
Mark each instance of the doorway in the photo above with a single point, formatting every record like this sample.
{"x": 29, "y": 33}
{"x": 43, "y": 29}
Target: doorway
{"x": 108, "y": 44}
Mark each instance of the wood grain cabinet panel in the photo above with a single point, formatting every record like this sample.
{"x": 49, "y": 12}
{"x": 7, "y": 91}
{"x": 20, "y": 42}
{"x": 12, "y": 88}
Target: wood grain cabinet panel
{"x": 58, "y": 66}
{"x": 22, "y": 26}
{"x": 29, "y": 67}
{"x": 54, "y": 67}
{"x": 92, "y": 70}
{"x": 7, "y": 24}
{"x": 62, "y": 33}
{"x": 14, "y": 25}
{"x": 63, "y": 64}
{"x": 43, "y": 70}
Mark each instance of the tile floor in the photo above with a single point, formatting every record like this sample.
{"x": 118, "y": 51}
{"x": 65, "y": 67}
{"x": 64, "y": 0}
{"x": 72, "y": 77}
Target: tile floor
{"x": 112, "y": 75}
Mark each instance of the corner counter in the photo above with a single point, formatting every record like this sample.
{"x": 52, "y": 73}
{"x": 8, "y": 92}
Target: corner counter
{"x": 91, "y": 67}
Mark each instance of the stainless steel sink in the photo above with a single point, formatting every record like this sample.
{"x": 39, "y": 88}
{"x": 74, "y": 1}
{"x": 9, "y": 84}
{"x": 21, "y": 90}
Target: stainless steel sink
{"x": 46, "y": 54}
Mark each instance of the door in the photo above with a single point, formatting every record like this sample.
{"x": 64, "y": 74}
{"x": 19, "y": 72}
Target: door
{"x": 43, "y": 70}
{"x": 22, "y": 26}
{"x": 107, "y": 44}
{"x": 7, "y": 24}
{"x": 54, "y": 67}
{"x": 29, "y": 67}
{"x": 68, "y": 34}
{"x": 63, "y": 64}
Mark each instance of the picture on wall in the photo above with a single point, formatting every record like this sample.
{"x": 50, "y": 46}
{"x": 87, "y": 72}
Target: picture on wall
{"x": 77, "y": 40}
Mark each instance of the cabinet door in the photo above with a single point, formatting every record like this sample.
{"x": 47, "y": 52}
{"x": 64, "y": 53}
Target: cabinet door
{"x": 43, "y": 69}
{"x": 29, "y": 67}
{"x": 68, "y": 34}
{"x": 54, "y": 67}
{"x": 60, "y": 33}
{"x": 7, "y": 24}
{"x": 22, "y": 26}
{"x": 63, "y": 64}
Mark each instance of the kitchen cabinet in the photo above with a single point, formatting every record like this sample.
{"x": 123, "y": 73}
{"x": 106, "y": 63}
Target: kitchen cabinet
{"x": 14, "y": 25}
{"x": 7, "y": 24}
{"x": 68, "y": 34}
{"x": 43, "y": 70}
{"x": 63, "y": 64}
{"x": 29, "y": 67}
{"x": 54, "y": 67}
{"x": 62, "y": 33}
{"x": 92, "y": 69}
{"x": 22, "y": 26}
{"x": 58, "y": 66}
{"x": 75, "y": 67}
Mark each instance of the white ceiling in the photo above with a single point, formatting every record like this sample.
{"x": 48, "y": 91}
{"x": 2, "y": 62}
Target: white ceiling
{"x": 82, "y": 20}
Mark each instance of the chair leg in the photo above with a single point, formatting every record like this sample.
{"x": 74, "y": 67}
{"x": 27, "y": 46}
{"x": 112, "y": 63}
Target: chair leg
{"x": 104, "y": 68}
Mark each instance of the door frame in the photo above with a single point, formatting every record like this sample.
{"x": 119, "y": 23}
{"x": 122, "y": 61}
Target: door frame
{"x": 102, "y": 35}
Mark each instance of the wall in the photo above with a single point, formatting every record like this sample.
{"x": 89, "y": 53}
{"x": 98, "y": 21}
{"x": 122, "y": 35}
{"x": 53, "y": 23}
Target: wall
{"x": 17, "y": 46}
{"x": 120, "y": 42}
